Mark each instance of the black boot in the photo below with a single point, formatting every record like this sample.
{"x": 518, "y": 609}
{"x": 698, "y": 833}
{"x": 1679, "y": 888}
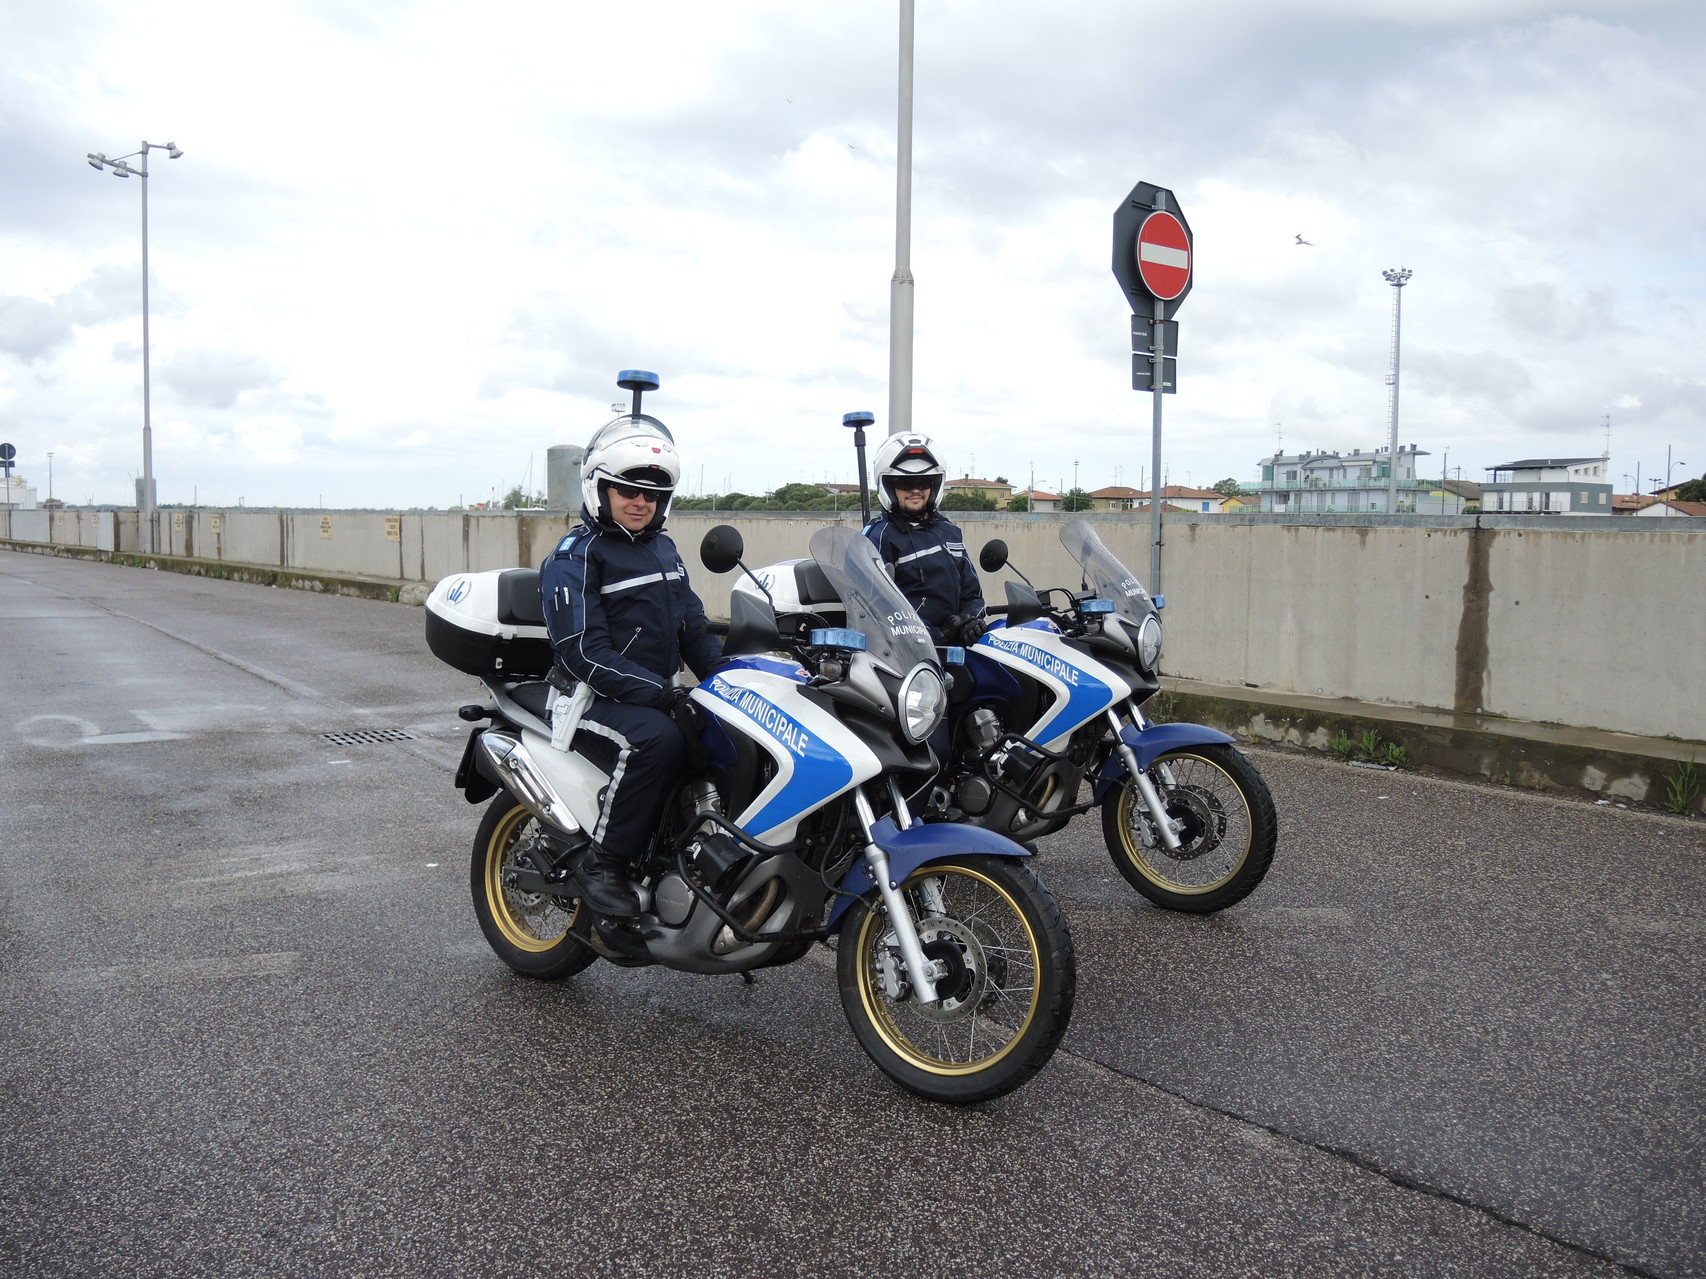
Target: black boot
{"x": 602, "y": 878}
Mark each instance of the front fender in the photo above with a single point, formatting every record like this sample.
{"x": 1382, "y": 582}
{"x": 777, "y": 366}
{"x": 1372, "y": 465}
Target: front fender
{"x": 1151, "y": 743}
{"x": 913, "y": 847}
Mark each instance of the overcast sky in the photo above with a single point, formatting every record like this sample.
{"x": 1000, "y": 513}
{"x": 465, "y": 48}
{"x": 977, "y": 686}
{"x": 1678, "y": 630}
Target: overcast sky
{"x": 409, "y": 245}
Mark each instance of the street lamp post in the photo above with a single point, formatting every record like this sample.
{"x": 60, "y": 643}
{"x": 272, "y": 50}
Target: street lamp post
{"x": 98, "y": 160}
{"x": 1668, "y": 448}
{"x": 1397, "y": 278}
{"x": 901, "y": 283}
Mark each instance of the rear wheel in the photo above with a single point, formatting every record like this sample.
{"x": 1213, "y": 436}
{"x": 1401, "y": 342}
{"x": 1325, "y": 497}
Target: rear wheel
{"x": 1006, "y": 989}
{"x": 1226, "y": 829}
{"x": 528, "y": 931}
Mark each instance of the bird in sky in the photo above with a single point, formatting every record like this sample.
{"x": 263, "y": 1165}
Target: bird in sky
{"x": 1301, "y": 240}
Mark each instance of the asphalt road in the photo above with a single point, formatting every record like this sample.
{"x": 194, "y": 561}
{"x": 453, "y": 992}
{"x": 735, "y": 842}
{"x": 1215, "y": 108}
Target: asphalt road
{"x": 249, "y": 1026}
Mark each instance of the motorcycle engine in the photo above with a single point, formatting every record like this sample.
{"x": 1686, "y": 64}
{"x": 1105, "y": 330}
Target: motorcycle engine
{"x": 980, "y": 730}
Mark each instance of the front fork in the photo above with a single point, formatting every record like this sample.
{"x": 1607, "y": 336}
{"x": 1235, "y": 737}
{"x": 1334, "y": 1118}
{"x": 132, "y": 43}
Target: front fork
{"x": 1165, "y": 828}
{"x": 920, "y": 971}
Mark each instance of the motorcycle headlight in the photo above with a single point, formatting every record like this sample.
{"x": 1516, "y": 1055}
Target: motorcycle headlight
{"x": 1149, "y": 642}
{"x": 922, "y": 702}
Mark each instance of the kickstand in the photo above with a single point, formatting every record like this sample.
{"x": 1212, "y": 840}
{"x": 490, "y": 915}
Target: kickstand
{"x": 748, "y": 978}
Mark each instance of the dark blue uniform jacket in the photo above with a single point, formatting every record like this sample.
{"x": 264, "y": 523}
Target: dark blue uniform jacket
{"x": 620, "y": 613}
{"x": 930, "y": 567}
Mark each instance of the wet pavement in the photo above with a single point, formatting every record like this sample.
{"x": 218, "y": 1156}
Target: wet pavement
{"x": 249, "y": 1026}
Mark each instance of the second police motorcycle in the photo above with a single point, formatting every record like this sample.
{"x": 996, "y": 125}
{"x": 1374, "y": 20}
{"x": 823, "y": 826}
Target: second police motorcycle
{"x": 955, "y": 969}
{"x": 1052, "y": 697}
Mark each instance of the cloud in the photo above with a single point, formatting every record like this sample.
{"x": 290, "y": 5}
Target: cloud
{"x": 216, "y": 378}
{"x": 31, "y": 329}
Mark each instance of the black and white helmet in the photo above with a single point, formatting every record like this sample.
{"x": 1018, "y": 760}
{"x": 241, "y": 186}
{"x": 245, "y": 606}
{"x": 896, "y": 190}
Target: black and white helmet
{"x": 636, "y": 450}
{"x": 912, "y": 456}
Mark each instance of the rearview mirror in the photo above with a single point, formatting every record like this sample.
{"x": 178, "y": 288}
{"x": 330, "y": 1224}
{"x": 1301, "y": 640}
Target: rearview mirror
{"x": 722, "y": 548}
{"x": 993, "y": 557}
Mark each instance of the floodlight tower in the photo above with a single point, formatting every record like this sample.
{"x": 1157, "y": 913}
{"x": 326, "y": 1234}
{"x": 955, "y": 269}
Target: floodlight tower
{"x": 97, "y": 161}
{"x": 1398, "y": 277}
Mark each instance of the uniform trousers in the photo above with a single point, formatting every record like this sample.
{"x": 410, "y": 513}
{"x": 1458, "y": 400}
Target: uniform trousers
{"x": 645, "y": 755}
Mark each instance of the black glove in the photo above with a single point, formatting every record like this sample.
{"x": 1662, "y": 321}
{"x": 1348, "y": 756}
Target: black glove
{"x": 677, "y": 703}
{"x": 963, "y": 629}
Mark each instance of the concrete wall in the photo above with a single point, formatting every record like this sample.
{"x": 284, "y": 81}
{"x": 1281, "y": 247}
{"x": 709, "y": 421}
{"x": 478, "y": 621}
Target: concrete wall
{"x": 1586, "y": 622}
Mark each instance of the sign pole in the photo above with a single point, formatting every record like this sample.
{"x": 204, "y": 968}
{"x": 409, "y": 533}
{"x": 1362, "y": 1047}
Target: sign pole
{"x": 1156, "y": 397}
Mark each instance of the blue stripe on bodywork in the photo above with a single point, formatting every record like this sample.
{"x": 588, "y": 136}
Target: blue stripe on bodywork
{"x": 915, "y": 846}
{"x": 818, "y": 768}
{"x": 769, "y": 665}
{"x": 1086, "y": 696}
{"x": 1150, "y": 743}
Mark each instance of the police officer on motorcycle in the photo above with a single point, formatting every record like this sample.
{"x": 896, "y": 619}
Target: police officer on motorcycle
{"x": 622, "y": 619}
{"x": 926, "y": 552}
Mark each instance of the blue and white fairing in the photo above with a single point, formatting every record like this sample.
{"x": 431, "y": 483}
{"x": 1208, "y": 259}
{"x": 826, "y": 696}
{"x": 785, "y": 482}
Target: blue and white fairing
{"x": 1080, "y": 687}
{"x": 816, "y": 756}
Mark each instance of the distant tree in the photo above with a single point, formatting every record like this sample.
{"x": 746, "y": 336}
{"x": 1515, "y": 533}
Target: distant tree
{"x": 1001, "y": 479}
{"x": 1692, "y": 491}
{"x": 1019, "y": 502}
{"x": 796, "y": 497}
{"x": 1076, "y": 500}
{"x": 1228, "y": 488}
{"x": 961, "y": 501}
{"x": 516, "y": 498}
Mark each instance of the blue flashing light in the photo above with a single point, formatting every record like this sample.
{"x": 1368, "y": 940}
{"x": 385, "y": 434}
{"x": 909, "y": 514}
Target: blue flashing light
{"x": 953, "y": 655}
{"x": 860, "y": 418}
{"x": 1097, "y": 606}
{"x": 637, "y": 380}
{"x": 1160, "y": 601}
{"x": 838, "y": 637}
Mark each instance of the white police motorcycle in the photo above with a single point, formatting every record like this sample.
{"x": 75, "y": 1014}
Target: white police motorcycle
{"x": 1055, "y": 697}
{"x": 1052, "y": 697}
{"x": 955, "y": 968}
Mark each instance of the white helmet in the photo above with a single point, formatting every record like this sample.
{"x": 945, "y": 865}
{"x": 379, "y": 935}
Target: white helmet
{"x": 910, "y": 455}
{"x": 634, "y": 449}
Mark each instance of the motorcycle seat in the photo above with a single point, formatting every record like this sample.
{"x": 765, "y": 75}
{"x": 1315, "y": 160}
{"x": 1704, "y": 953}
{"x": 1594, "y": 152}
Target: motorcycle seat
{"x": 533, "y": 697}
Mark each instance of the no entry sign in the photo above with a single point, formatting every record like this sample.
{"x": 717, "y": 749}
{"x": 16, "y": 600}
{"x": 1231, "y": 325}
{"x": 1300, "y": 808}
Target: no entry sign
{"x": 1153, "y": 257}
{"x": 1164, "y": 255}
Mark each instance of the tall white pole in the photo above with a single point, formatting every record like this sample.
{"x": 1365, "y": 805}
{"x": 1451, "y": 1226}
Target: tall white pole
{"x": 900, "y": 285}
{"x": 1397, "y": 278}
{"x": 147, "y": 503}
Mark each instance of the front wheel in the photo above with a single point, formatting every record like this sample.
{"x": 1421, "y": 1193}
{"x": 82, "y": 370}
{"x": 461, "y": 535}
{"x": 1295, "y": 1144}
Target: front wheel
{"x": 528, "y": 931}
{"x": 1006, "y": 989}
{"x": 1226, "y": 830}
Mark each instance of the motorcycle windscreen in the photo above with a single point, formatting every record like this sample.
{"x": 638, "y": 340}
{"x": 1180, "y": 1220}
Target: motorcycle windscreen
{"x": 1104, "y": 573}
{"x": 895, "y": 636}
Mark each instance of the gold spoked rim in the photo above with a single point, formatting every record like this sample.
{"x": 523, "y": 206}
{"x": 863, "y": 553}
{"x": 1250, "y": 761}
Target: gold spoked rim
{"x": 528, "y": 921}
{"x": 1218, "y": 827}
{"x": 993, "y": 988}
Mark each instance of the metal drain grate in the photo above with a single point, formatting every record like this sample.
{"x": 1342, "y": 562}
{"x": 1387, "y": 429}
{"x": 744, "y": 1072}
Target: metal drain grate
{"x": 368, "y": 737}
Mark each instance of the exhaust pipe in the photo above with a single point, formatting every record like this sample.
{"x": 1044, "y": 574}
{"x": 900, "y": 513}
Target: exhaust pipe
{"x": 511, "y": 768}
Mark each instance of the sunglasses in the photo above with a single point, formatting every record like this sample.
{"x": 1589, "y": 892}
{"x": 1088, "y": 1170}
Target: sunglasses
{"x": 913, "y": 484}
{"x": 627, "y": 492}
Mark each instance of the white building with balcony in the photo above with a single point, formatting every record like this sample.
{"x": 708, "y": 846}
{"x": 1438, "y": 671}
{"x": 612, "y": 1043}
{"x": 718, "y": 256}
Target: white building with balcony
{"x": 1549, "y": 486}
{"x": 1321, "y": 483}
